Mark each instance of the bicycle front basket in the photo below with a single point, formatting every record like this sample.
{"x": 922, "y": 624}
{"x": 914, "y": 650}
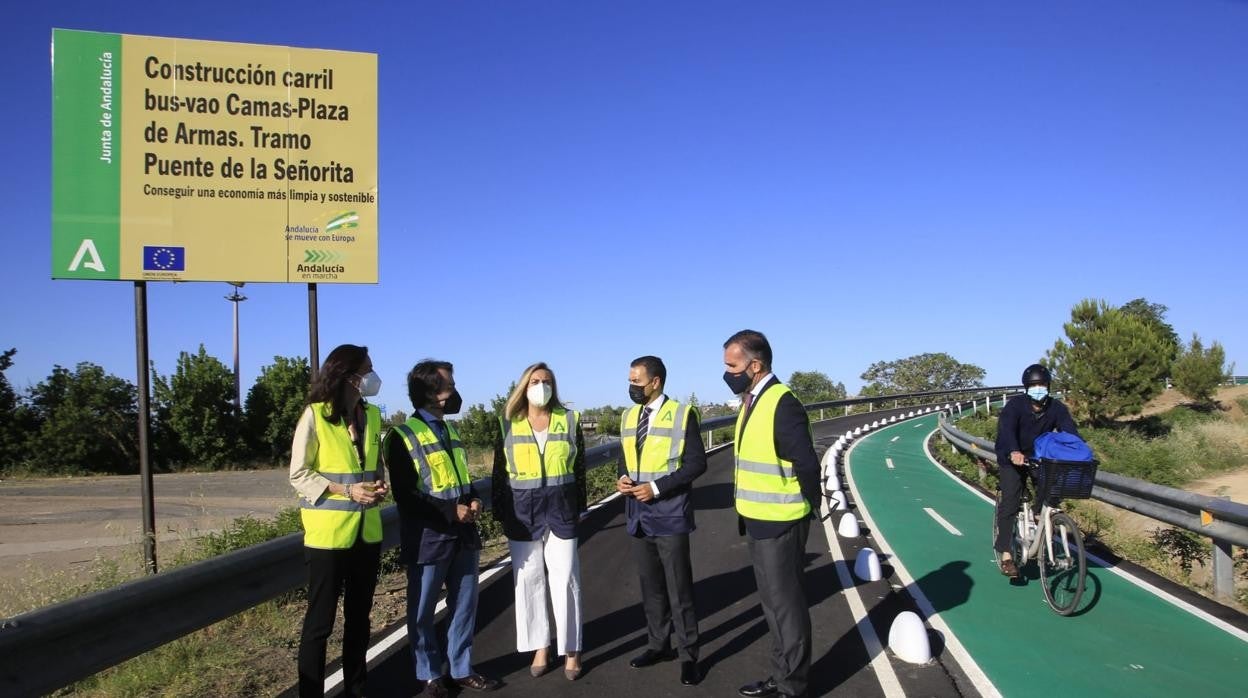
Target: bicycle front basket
{"x": 1063, "y": 479}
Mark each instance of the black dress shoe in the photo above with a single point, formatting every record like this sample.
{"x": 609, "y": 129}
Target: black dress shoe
{"x": 650, "y": 657}
{"x": 761, "y": 688}
{"x": 689, "y": 674}
{"x": 436, "y": 688}
{"x": 477, "y": 682}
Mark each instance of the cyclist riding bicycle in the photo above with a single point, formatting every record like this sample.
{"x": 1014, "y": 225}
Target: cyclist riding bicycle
{"x": 1023, "y": 419}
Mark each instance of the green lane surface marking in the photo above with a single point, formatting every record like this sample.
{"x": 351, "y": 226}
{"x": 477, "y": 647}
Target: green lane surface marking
{"x": 1125, "y": 641}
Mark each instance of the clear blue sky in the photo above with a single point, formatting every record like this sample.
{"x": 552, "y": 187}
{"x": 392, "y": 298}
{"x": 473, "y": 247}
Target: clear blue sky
{"x": 585, "y": 182}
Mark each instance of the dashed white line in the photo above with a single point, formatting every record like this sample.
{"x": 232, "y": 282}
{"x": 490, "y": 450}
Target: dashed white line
{"x": 941, "y": 520}
{"x": 893, "y": 439}
{"x": 1113, "y": 569}
{"x": 973, "y": 671}
{"x": 889, "y": 463}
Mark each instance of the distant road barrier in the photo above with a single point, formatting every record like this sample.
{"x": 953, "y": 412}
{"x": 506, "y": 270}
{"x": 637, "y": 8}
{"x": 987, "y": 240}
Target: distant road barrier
{"x": 52, "y": 647}
{"x": 1223, "y": 521}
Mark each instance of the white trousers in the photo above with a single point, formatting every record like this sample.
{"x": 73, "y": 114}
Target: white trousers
{"x": 547, "y": 572}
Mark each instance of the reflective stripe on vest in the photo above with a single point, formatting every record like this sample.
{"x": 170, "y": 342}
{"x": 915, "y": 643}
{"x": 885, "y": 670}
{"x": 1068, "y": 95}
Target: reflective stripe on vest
{"x": 665, "y": 441}
{"x": 527, "y": 467}
{"x": 334, "y": 521}
{"x": 766, "y": 487}
{"x": 442, "y": 475}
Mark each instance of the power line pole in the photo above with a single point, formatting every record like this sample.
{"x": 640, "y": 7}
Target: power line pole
{"x": 236, "y": 298}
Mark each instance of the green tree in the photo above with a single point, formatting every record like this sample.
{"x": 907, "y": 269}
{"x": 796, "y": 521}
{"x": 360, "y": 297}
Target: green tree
{"x": 813, "y": 386}
{"x": 396, "y": 418}
{"x": 1198, "y": 371}
{"x": 1111, "y": 362}
{"x": 13, "y": 416}
{"x": 1154, "y": 315}
{"x": 84, "y": 420}
{"x": 920, "y": 373}
{"x": 274, "y": 404}
{"x": 200, "y": 401}
{"x": 609, "y": 420}
{"x": 478, "y": 426}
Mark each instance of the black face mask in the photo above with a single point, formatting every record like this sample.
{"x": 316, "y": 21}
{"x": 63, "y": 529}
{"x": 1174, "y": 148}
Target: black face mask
{"x": 453, "y": 404}
{"x": 738, "y": 382}
{"x": 637, "y": 393}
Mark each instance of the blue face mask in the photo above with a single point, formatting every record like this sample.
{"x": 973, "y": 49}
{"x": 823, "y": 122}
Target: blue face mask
{"x": 1037, "y": 392}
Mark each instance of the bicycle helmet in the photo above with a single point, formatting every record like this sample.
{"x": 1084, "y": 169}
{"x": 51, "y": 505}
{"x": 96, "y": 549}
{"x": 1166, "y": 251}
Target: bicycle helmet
{"x": 1036, "y": 374}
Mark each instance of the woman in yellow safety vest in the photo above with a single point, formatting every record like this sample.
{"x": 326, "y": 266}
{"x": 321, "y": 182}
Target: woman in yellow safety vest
{"x": 539, "y": 494}
{"x": 333, "y": 466}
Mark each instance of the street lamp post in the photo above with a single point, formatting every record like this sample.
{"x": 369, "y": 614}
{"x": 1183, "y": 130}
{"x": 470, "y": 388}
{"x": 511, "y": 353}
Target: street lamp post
{"x": 236, "y": 298}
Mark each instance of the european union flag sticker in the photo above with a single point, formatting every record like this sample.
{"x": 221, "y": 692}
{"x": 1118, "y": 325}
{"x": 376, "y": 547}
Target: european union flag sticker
{"x": 164, "y": 258}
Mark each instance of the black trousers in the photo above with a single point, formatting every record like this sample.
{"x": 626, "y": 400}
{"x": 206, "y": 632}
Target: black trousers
{"x": 1012, "y": 478}
{"x": 779, "y": 570}
{"x": 667, "y": 592}
{"x": 352, "y": 574}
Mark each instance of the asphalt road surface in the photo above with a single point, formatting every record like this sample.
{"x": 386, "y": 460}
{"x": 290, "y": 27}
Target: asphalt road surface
{"x": 735, "y": 640}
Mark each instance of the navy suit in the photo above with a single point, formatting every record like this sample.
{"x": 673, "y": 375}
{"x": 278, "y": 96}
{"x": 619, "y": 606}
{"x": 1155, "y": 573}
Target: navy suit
{"x": 660, "y": 531}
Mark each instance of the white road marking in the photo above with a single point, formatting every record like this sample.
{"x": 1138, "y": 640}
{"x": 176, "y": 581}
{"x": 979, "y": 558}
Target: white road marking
{"x": 893, "y": 439}
{"x": 335, "y": 679}
{"x": 1146, "y": 586}
{"x": 916, "y": 426}
{"x": 954, "y": 646}
{"x": 879, "y": 659}
{"x": 941, "y": 520}
{"x": 889, "y": 463}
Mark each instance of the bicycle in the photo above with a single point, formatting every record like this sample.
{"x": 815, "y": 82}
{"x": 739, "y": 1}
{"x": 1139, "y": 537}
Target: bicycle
{"x": 1053, "y": 539}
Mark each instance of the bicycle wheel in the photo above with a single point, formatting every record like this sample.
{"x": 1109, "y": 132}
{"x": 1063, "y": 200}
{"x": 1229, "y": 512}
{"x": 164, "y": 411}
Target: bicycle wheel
{"x": 1063, "y": 573}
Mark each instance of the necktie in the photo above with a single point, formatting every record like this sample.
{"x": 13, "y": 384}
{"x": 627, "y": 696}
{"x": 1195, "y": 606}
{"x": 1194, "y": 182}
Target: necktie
{"x": 746, "y": 401}
{"x": 643, "y": 425}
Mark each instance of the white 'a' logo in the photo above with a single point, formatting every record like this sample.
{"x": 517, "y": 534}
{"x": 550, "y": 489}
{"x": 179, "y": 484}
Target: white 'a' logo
{"x": 87, "y": 249}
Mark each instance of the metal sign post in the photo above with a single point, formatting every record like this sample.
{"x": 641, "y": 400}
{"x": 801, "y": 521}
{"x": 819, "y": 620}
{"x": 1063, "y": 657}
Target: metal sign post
{"x": 145, "y": 417}
{"x": 314, "y": 350}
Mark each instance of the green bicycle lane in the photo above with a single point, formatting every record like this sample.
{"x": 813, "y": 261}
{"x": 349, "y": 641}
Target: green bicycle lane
{"x": 1125, "y": 640}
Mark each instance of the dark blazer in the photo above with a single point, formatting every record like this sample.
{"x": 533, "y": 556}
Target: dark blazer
{"x": 528, "y": 514}
{"x": 1018, "y": 425}
{"x": 670, "y": 513}
{"x": 793, "y": 443}
{"x": 428, "y": 527}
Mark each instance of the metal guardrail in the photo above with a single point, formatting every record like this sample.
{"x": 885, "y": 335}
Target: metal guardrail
{"x": 1221, "y": 520}
{"x": 52, "y": 647}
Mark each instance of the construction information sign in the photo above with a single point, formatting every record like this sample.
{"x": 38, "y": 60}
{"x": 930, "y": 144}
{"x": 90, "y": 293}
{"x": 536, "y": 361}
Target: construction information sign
{"x": 183, "y": 160}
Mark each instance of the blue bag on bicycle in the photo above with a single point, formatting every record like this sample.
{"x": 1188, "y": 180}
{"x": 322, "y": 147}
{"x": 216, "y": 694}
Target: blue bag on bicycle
{"x": 1059, "y": 445}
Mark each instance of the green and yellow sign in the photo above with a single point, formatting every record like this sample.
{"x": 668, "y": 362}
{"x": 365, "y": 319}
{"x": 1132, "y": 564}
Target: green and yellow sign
{"x": 175, "y": 159}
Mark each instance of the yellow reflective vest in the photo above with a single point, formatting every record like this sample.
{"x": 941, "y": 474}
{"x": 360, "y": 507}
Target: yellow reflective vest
{"x": 664, "y": 444}
{"x": 767, "y": 488}
{"x": 443, "y": 474}
{"x": 333, "y": 522}
{"x": 527, "y": 467}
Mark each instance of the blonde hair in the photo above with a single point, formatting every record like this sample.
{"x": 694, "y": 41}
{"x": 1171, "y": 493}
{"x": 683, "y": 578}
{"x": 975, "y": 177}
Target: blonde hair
{"x": 518, "y": 401}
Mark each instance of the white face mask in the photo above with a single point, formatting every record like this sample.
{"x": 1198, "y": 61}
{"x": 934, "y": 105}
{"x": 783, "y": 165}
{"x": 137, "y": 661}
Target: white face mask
{"x": 370, "y": 384}
{"x": 1037, "y": 392}
{"x": 539, "y": 394}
